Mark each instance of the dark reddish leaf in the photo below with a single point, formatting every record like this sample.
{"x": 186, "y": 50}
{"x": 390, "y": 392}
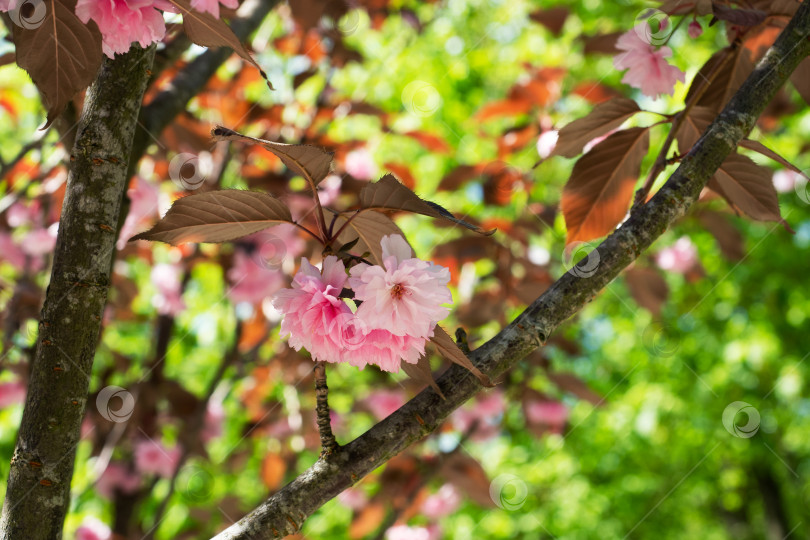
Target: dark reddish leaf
{"x": 403, "y": 174}
{"x": 434, "y": 143}
{"x": 732, "y": 66}
{"x": 273, "y": 469}
{"x": 730, "y": 240}
{"x": 602, "y": 43}
{"x": 448, "y": 349}
{"x": 597, "y": 196}
{"x": 693, "y": 126}
{"x": 469, "y": 477}
{"x": 367, "y": 520}
{"x": 740, "y": 17}
{"x": 570, "y": 383}
{"x": 648, "y": 288}
{"x": 460, "y": 176}
{"x": 422, "y": 373}
{"x": 506, "y": 107}
{"x": 757, "y": 146}
{"x": 369, "y": 227}
{"x": 552, "y": 18}
{"x": 603, "y": 118}
{"x": 801, "y": 79}
{"x": 748, "y": 187}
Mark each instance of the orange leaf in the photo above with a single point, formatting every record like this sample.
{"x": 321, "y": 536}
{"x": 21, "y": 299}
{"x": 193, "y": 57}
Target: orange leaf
{"x": 273, "y": 469}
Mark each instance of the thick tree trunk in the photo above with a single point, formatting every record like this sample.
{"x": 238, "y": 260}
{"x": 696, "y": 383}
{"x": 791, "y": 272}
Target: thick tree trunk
{"x": 38, "y": 492}
{"x": 284, "y": 513}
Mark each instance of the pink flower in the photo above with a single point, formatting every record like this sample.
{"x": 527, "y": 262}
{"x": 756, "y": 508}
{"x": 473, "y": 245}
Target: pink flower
{"x": 442, "y": 503}
{"x": 647, "y": 67}
{"x": 251, "y": 281}
{"x": 40, "y": 241}
{"x": 486, "y": 413}
{"x": 404, "y": 532}
{"x": 360, "y": 164}
{"x": 214, "y": 418}
{"x": 167, "y": 278}
{"x": 11, "y": 393}
{"x": 93, "y": 529}
{"x": 680, "y": 257}
{"x": 11, "y": 252}
{"x": 354, "y": 498}
{"x": 117, "y": 477}
{"x": 151, "y": 457}
{"x": 382, "y": 403}
{"x": 144, "y": 197}
{"x": 19, "y": 215}
{"x": 312, "y": 309}
{"x": 405, "y": 296}
{"x": 212, "y": 6}
{"x": 546, "y": 142}
{"x": 784, "y": 180}
{"x": 7, "y": 5}
{"x": 329, "y": 189}
{"x": 123, "y": 21}
{"x": 550, "y": 414}
{"x": 695, "y": 30}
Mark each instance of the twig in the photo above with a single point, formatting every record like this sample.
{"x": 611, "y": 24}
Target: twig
{"x": 324, "y": 418}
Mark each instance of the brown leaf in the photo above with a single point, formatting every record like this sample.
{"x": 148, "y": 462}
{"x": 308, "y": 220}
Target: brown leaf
{"x": 504, "y": 107}
{"x": 61, "y": 53}
{"x": 601, "y": 43}
{"x": 598, "y": 194}
{"x": 273, "y": 469}
{"x": 568, "y": 382}
{"x": 730, "y": 240}
{"x": 801, "y": 79}
{"x": 369, "y": 227}
{"x": 217, "y": 216}
{"x": 747, "y": 187}
{"x": 422, "y": 373}
{"x": 552, "y": 18}
{"x": 740, "y": 17}
{"x": 460, "y": 176}
{"x": 207, "y": 31}
{"x": 367, "y": 520}
{"x": 603, "y": 118}
{"x": 693, "y": 126}
{"x": 648, "y": 288}
{"x": 449, "y": 350}
{"x": 757, "y": 146}
{"x": 311, "y": 162}
{"x": 389, "y": 194}
{"x": 469, "y": 477}
{"x": 681, "y": 7}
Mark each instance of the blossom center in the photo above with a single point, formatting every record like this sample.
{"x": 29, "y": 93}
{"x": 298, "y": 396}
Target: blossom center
{"x": 397, "y": 291}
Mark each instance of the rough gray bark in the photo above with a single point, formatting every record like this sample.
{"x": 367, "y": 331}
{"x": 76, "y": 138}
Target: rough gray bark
{"x": 38, "y": 492}
{"x": 285, "y": 512}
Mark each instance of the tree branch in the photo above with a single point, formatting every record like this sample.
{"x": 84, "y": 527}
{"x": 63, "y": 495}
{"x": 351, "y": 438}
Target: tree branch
{"x": 38, "y": 493}
{"x": 285, "y": 511}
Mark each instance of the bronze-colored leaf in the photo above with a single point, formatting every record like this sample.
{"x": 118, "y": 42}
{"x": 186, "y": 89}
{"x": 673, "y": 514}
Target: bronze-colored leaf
{"x": 449, "y": 350}
{"x": 421, "y": 373}
{"x": 208, "y": 31}
{"x": 648, "y": 288}
{"x": 552, "y": 18}
{"x": 758, "y": 147}
{"x": 389, "y": 194}
{"x": 682, "y": 7}
{"x": 693, "y": 127}
{"x": 597, "y": 196}
{"x": 60, "y": 53}
{"x": 570, "y": 383}
{"x": 601, "y": 43}
{"x": 369, "y": 227}
{"x": 731, "y": 73}
{"x": 311, "y": 162}
{"x": 217, "y": 216}
{"x": 747, "y": 187}
{"x": 739, "y": 17}
{"x": 729, "y": 239}
{"x": 801, "y": 79}
{"x": 604, "y": 117}
{"x": 469, "y": 477}
{"x": 273, "y": 469}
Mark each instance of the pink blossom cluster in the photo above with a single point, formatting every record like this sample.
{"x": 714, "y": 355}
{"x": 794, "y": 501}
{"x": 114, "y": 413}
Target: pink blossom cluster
{"x": 646, "y": 65}
{"x": 400, "y": 305}
{"x": 122, "y": 22}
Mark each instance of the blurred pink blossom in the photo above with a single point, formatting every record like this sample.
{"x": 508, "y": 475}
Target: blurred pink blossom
{"x": 784, "y": 180}
{"x": 646, "y": 66}
{"x": 442, "y": 503}
{"x": 546, "y": 142}
{"x": 404, "y": 532}
{"x": 6, "y": 5}
{"x": 353, "y": 498}
{"x": 151, "y": 457}
{"x": 11, "y": 252}
{"x": 695, "y": 30}
{"x": 487, "y": 411}
{"x": 382, "y": 403}
{"x": 93, "y": 529}
{"x": 251, "y": 281}
{"x": 40, "y": 241}
{"x": 550, "y": 414}
{"x": 19, "y": 215}
{"x": 11, "y": 393}
{"x": 212, "y": 6}
{"x": 329, "y": 189}
{"x": 117, "y": 477}
{"x": 167, "y": 278}
{"x": 144, "y": 197}
{"x": 680, "y": 257}
{"x": 360, "y": 164}
{"x": 214, "y": 420}
{"x": 123, "y": 21}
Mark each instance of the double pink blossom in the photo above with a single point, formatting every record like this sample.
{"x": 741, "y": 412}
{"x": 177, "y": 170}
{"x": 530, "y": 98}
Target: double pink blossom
{"x": 212, "y": 6}
{"x": 647, "y": 68}
{"x": 123, "y": 21}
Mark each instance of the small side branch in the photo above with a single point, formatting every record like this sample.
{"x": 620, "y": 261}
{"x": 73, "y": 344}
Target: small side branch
{"x": 324, "y": 418}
